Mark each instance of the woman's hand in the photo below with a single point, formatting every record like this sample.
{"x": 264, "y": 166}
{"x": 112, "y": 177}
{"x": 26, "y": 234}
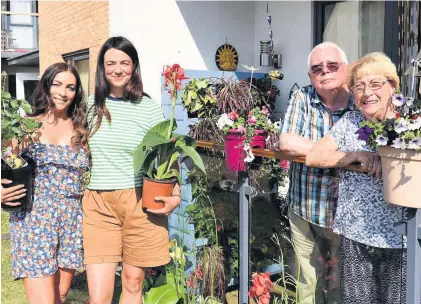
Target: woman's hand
{"x": 171, "y": 202}
{"x": 8, "y": 195}
{"x": 369, "y": 161}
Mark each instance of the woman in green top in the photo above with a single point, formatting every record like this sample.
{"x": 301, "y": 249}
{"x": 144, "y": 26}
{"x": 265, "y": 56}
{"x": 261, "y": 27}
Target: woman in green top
{"x": 115, "y": 227}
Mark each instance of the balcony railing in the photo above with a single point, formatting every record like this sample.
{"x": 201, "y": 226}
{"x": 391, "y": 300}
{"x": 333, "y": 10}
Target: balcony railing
{"x": 19, "y": 31}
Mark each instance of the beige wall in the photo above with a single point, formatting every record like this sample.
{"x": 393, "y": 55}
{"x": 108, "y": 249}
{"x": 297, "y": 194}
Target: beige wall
{"x": 66, "y": 27}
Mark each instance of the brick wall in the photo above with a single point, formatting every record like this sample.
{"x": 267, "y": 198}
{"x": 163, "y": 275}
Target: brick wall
{"x": 68, "y": 26}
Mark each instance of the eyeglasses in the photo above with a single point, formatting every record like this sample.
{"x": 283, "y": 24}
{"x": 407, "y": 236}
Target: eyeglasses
{"x": 332, "y": 66}
{"x": 373, "y": 85}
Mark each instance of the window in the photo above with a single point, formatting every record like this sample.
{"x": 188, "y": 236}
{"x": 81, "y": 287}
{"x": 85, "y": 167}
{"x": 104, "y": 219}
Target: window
{"x": 11, "y": 85}
{"x": 29, "y": 88}
{"x": 358, "y": 27}
{"x": 22, "y": 27}
{"x": 80, "y": 60}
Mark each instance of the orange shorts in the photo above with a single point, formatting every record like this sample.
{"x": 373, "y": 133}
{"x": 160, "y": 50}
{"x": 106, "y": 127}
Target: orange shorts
{"x": 115, "y": 228}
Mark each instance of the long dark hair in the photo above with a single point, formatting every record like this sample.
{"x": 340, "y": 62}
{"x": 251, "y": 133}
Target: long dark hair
{"x": 134, "y": 88}
{"x": 42, "y": 102}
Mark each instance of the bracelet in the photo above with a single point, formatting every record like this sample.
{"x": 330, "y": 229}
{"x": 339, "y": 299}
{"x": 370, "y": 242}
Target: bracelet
{"x": 176, "y": 195}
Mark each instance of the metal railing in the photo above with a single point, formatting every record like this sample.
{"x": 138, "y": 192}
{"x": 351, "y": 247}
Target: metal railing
{"x": 412, "y": 229}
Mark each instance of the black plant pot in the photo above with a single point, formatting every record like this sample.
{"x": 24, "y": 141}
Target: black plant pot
{"x": 192, "y": 115}
{"x": 21, "y": 176}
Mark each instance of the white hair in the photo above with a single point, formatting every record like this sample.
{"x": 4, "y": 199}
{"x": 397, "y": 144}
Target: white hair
{"x": 325, "y": 45}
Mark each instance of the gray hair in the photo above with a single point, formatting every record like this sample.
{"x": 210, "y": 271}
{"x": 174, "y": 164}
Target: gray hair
{"x": 328, "y": 45}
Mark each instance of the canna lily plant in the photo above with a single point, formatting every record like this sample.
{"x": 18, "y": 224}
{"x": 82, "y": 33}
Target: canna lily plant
{"x": 160, "y": 148}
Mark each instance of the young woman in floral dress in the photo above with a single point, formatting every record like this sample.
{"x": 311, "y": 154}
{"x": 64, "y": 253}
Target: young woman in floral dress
{"x": 46, "y": 241}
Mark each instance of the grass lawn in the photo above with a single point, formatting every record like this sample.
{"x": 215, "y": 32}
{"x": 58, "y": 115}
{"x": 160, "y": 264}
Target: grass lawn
{"x": 11, "y": 291}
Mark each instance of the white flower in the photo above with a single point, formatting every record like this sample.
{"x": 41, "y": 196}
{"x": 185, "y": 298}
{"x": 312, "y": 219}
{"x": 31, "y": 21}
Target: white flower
{"x": 416, "y": 124}
{"x": 405, "y": 110}
{"x": 224, "y": 120}
{"x": 414, "y": 144}
{"x": 398, "y": 100}
{"x": 268, "y": 138}
{"x": 399, "y": 143}
{"x": 246, "y": 147}
{"x": 251, "y": 68}
{"x": 402, "y": 125}
{"x": 269, "y": 122}
{"x": 410, "y": 101}
{"x": 278, "y": 124}
{"x": 381, "y": 140}
{"x": 250, "y": 157}
{"x": 21, "y": 112}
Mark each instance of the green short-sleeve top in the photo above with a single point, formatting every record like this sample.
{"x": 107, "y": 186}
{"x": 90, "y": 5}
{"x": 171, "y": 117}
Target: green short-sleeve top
{"x": 113, "y": 144}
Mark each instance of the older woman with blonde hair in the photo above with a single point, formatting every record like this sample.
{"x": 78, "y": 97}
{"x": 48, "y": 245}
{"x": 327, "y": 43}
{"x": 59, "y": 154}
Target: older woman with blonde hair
{"x": 372, "y": 253}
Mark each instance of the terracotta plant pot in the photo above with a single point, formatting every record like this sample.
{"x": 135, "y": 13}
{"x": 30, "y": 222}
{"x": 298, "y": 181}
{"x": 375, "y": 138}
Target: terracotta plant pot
{"x": 153, "y": 188}
{"x": 21, "y": 176}
{"x": 235, "y": 153}
{"x": 401, "y": 176}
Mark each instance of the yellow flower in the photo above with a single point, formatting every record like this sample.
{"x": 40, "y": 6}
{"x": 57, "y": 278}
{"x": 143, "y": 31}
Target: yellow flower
{"x": 178, "y": 255}
{"x": 276, "y": 75}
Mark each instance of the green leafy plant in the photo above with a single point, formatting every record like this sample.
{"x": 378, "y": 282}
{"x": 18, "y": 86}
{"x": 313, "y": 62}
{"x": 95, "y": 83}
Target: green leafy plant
{"x": 160, "y": 149}
{"x": 14, "y": 123}
{"x": 198, "y": 97}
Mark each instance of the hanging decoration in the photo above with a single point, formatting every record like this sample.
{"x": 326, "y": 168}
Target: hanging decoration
{"x": 226, "y": 57}
{"x": 270, "y": 26}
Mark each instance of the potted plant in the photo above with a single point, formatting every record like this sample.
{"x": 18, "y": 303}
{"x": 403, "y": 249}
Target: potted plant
{"x": 160, "y": 149}
{"x": 244, "y": 133}
{"x": 15, "y": 126}
{"x": 398, "y": 141}
{"x": 198, "y": 98}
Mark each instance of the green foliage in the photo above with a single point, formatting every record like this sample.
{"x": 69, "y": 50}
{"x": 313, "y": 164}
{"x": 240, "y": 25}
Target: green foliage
{"x": 198, "y": 97}
{"x": 158, "y": 153}
{"x": 13, "y": 123}
{"x": 201, "y": 211}
{"x": 162, "y": 292}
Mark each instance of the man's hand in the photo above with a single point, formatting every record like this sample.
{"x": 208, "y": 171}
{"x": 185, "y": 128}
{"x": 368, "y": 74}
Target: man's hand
{"x": 8, "y": 195}
{"x": 171, "y": 202}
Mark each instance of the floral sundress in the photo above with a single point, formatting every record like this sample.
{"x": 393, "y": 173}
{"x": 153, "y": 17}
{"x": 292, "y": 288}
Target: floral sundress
{"x": 49, "y": 235}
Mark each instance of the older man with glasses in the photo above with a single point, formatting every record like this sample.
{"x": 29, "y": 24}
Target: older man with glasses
{"x": 312, "y": 111}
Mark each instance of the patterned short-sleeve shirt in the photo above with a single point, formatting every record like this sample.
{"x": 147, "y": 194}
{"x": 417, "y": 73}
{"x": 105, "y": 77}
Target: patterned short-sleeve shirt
{"x": 308, "y": 194}
{"x": 362, "y": 214}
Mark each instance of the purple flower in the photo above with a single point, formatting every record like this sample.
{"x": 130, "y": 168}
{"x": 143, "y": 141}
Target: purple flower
{"x": 398, "y": 100}
{"x": 364, "y": 133}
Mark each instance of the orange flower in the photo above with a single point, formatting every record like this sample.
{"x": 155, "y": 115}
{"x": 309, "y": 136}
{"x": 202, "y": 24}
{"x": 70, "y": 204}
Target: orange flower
{"x": 261, "y": 284}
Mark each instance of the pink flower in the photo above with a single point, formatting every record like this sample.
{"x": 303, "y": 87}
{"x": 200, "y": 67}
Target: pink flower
{"x": 199, "y": 273}
{"x": 241, "y": 129}
{"x": 190, "y": 282}
{"x": 252, "y": 120}
{"x": 265, "y": 110}
{"x": 284, "y": 164}
{"x": 233, "y": 115}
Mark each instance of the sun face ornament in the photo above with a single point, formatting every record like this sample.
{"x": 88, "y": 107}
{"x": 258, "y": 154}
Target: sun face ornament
{"x": 226, "y": 58}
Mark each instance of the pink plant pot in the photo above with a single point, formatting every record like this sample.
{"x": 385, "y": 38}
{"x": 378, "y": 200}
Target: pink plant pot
{"x": 234, "y": 148}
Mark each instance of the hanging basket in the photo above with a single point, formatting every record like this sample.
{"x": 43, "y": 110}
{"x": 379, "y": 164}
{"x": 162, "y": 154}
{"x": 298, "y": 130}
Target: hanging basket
{"x": 401, "y": 176}
{"x": 234, "y": 148}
